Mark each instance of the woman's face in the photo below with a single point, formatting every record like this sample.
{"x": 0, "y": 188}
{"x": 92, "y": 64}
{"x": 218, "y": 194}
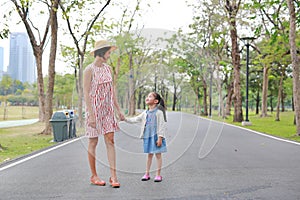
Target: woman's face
{"x": 150, "y": 99}
{"x": 106, "y": 55}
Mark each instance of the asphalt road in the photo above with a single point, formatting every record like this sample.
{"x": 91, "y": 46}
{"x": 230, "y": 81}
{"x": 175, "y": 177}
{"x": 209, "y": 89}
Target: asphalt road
{"x": 205, "y": 160}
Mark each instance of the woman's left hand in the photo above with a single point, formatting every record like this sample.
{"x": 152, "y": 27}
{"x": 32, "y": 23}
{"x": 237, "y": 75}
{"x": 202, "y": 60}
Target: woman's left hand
{"x": 121, "y": 116}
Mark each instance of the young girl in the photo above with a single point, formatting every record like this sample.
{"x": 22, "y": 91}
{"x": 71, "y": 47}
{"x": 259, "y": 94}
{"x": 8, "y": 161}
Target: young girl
{"x": 153, "y": 130}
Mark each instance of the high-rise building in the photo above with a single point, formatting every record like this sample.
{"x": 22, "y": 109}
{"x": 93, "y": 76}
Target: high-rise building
{"x": 1, "y": 62}
{"x": 21, "y": 60}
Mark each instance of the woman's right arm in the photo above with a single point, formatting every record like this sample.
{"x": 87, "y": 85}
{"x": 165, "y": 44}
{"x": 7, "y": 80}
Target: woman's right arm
{"x": 87, "y": 79}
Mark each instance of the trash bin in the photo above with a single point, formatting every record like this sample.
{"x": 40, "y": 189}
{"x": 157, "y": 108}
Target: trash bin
{"x": 60, "y": 123}
{"x": 72, "y": 129}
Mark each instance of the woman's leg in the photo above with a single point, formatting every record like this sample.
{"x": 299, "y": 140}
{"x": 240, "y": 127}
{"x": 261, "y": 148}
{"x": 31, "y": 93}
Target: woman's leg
{"x": 159, "y": 163}
{"x": 149, "y": 162}
{"x": 92, "y": 155}
{"x": 111, "y": 154}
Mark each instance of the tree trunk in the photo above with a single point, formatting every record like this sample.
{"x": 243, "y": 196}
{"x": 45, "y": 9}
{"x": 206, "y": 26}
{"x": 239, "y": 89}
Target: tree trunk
{"x": 40, "y": 85}
{"x": 271, "y": 102}
{"x": 51, "y": 68}
{"x": 115, "y": 77}
{"x": 175, "y": 93}
{"x": 205, "y": 113}
{"x": 221, "y": 104}
{"x": 140, "y": 98}
{"x": 264, "y": 101}
{"x": 282, "y": 101}
{"x": 279, "y": 97}
{"x": 79, "y": 83}
{"x": 229, "y": 99}
{"x": 131, "y": 87}
{"x": 257, "y": 101}
{"x": 232, "y": 9}
{"x": 197, "y": 102}
{"x": 295, "y": 63}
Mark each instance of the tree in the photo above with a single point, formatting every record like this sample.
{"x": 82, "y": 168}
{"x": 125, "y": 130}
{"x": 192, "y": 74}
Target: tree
{"x": 80, "y": 39}
{"x": 273, "y": 26}
{"x": 51, "y": 68}
{"x": 232, "y": 8}
{"x": 295, "y": 63}
{"x": 38, "y": 43}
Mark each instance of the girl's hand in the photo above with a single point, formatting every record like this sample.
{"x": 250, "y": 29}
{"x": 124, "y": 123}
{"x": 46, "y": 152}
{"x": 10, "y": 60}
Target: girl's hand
{"x": 159, "y": 141}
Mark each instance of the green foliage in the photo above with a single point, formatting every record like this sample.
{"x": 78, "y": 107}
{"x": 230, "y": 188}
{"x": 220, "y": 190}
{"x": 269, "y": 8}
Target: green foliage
{"x": 64, "y": 91}
{"x": 4, "y": 33}
{"x": 16, "y": 92}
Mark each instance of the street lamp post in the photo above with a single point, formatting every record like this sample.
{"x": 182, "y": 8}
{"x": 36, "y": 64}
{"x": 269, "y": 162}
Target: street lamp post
{"x": 247, "y": 40}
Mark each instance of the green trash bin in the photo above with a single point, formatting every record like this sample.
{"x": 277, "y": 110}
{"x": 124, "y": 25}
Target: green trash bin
{"x": 60, "y": 123}
{"x": 72, "y": 129}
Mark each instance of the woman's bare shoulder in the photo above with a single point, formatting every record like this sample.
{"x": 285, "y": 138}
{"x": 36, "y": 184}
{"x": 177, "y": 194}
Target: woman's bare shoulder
{"x": 88, "y": 69}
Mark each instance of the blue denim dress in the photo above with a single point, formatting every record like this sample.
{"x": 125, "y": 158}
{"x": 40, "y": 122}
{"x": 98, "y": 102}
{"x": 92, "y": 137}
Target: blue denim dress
{"x": 150, "y": 134}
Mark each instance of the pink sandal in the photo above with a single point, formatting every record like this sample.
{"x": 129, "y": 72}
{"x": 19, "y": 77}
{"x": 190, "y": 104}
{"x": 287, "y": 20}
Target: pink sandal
{"x": 158, "y": 179}
{"x": 114, "y": 184}
{"x": 146, "y": 177}
{"x": 97, "y": 181}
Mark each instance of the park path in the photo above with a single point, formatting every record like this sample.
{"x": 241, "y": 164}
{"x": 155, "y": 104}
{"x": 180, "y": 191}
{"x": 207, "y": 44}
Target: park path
{"x": 205, "y": 160}
{"x": 13, "y": 123}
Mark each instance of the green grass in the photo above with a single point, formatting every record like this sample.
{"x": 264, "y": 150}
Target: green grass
{"x": 19, "y": 112}
{"x": 22, "y": 140}
{"x": 284, "y": 128}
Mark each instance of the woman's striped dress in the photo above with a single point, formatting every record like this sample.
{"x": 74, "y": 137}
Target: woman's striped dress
{"x": 101, "y": 97}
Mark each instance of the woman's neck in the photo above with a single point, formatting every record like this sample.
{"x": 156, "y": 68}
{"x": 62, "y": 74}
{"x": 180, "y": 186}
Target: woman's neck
{"x": 98, "y": 61}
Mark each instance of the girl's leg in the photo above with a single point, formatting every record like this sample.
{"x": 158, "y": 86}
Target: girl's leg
{"x": 159, "y": 163}
{"x": 149, "y": 162}
{"x": 92, "y": 155}
{"x": 111, "y": 154}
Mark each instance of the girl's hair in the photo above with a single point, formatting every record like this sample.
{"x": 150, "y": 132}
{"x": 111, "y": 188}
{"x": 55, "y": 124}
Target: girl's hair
{"x": 101, "y": 52}
{"x": 161, "y": 104}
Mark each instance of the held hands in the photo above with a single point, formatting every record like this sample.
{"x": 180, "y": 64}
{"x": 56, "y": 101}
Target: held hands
{"x": 122, "y": 117}
{"x": 159, "y": 141}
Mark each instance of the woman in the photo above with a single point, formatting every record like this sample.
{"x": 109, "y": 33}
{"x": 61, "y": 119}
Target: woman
{"x": 101, "y": 103}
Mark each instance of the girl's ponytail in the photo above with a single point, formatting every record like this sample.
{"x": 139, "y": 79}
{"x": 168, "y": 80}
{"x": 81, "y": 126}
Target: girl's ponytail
{"x": 161, "y": 105}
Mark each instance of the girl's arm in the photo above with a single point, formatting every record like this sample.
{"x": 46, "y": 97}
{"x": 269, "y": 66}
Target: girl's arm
{"x": 161, "y": 124}
{"x": 136, "y": 119}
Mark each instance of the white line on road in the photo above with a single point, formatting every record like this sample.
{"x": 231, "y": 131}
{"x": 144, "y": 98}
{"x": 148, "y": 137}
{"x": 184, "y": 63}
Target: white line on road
{"x": 38, "y": 154}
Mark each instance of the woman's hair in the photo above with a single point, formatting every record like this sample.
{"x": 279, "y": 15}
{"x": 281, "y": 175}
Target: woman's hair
{"x": 101, "y": 52}
{"x": 161, "y": 104}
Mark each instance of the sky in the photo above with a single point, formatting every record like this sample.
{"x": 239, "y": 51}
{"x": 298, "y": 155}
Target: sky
{"x": 168, "y": 14}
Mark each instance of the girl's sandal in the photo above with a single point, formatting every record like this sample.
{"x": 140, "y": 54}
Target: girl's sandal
{"x": 158, "y": 179}
{"x": 114, "y": 184}
{"x": 97, "y": 181}
{"x": 146, "y": 177}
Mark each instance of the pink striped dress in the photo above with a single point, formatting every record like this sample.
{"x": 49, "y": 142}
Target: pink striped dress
{"x": 101, "y": 97}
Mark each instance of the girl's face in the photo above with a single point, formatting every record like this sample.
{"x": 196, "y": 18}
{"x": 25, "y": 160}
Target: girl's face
{"x": 150, "y": 99}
